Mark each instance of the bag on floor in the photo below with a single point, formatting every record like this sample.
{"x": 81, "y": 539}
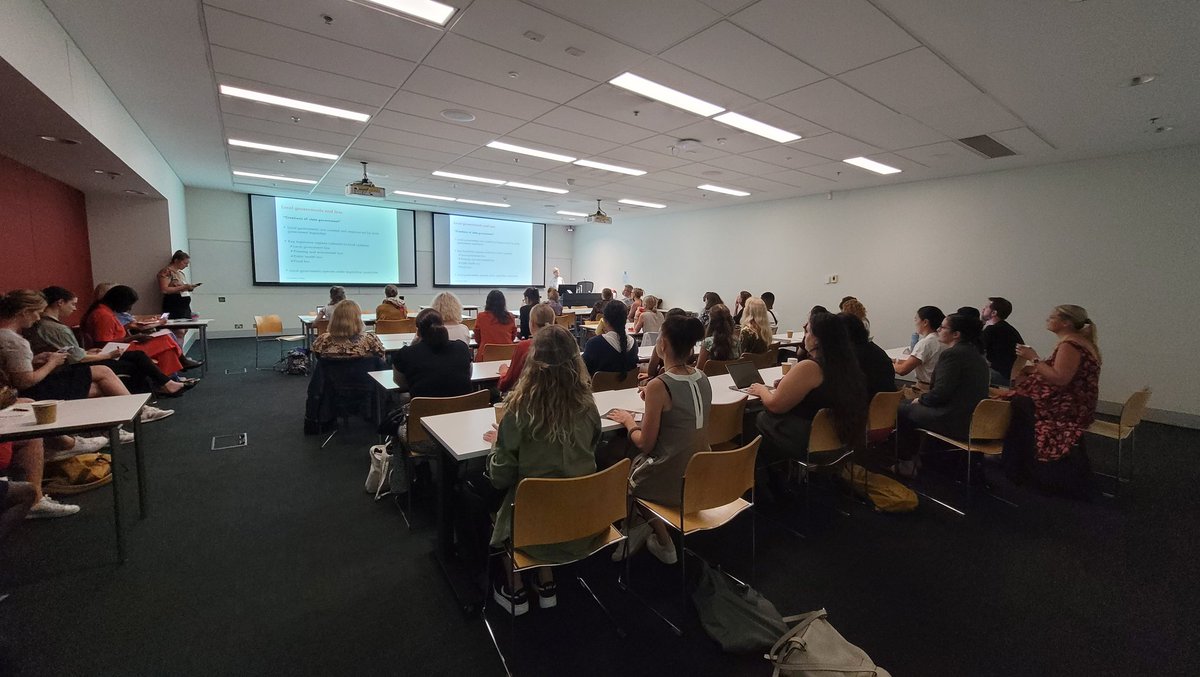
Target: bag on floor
{"x": 735, "y": 615}
{"x": 295, "y": 362}
{"x": 77, "y": 474}
{"x": 885, "y": 493}
{"x": 813, "y": 648}
{"x": 377, "y": 476}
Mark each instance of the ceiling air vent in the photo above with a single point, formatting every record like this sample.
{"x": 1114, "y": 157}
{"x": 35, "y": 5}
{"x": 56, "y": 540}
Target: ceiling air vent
{"x": 987, "y": 146}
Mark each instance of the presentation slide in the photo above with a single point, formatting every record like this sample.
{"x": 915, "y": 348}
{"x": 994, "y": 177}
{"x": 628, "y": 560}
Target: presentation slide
{"x": 314, "y": 242}
{"x": 474, "y": 251}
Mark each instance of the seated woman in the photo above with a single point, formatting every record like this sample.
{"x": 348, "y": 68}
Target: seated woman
{"x": 651, "y": 318}
{"x": 50, "y": 334}
{"x": 923, "y": 357}
{"x": 540, "y": 316}
{"x": 711, "y": 298}
{"x": 450, "y": 310}
{"x": 531, "y": 299}
{"x": 100, "y": 326}
{"x": 678, "y": 403}
{"x": 635, "y": 307}
{"x": 337, "y": 294}
{"x": 739, "y": 306}
{"x": 756, "y": 327}
{"x": 722, "y": 340}
{"x": 393, "y": 307}
{"x": 655, "y": 366}
{"x": 552, "y": 300}
{"x": 830, "y": 379}
{"x": 347, "y": 336}
{"x": 873, "y": 360}
{"x": 960, "y": 382}
{"x": 495, "y": 325}
{"x": 855, "y": 307}
{"x": 613, "y": 350}
{"x": 1054, "y": 402}
{"x": 606, "y": 295}
{"x": 46, "y": 376}
{"x": 434, "y": 366}
{"x": 550, "y": 429}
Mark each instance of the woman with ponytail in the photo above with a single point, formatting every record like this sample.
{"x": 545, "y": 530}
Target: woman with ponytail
{"x": 613, "y": 350}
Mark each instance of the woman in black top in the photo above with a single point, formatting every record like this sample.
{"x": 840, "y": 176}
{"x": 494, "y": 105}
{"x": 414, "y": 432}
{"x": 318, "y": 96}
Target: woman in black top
{"x": 613, "y": 350}
{"x": 434, "y": 366}
{"x": 532, "y": 298}
{"x": 873, "y": 360}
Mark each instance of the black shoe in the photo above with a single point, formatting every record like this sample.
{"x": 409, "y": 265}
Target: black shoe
{"x": 189, "y": 363}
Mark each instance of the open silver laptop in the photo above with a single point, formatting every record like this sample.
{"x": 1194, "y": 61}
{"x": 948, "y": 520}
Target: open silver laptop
{"x": 744, "y": 375}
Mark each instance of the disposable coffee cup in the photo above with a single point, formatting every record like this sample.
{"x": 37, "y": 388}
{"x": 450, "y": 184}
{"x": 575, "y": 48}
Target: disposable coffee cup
{"x": 793, "y": 360}
{"x": 499, "y": 407}
{"x": 45, "y": 412}
{"x": 789, "y": 333}
{"x": 786, "y": 366}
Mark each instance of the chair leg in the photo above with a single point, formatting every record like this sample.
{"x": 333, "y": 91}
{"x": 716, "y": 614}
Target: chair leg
{"x": 616, "y": 626}
{"x": 488, "y": 624}
{"x": 329, "y": 438}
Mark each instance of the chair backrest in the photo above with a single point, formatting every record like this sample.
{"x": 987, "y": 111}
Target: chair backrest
{"x": 347, "y": 380}
{"x": 718, "y": 367}
{"x": 469, "y": 323}
{"x": 406, "y": 326}
{"x": 490, "y": 352}
{"x": 884, "y": 407}
{"x": 420, "y": 407}
{"x": 611, "y": 380}
{"x": 1135, "y": 408}
{"x": 764, "y": 360}
{"x": 321, "y": 327}
{"x": 556, "y": 510}
{"x": 725, "y": 422}
{"x": 267, "y": 324}
{"x": 649, "y": 338}
{"x": 990, "y": 420}
{"x": 823, "y": 435}
{"x": 585, "y": 286}
{"x": 566, "y": 321}
{"x": 717, "y": 478}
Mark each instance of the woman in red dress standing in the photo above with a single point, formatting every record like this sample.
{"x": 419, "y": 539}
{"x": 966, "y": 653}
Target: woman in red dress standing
{"x": 101, "y": 326}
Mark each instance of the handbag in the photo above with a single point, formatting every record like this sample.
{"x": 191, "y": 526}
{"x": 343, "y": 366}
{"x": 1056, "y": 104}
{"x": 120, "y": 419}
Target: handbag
{"x": 734, "y": 614}
{"x": 813, "y": 648}
{"x": 885, "y": 493}
{"x": 380, "y": 475}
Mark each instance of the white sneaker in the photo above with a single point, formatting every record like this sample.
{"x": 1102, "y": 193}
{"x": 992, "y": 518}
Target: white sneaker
{"x": 48, "y": 508}
{"x": 665, "y": 552}
{"x": 634, "y": 541}
{"x": 89, "y": 445}
{"x": 155, "y": 414}
{"x": 125, "y": 436}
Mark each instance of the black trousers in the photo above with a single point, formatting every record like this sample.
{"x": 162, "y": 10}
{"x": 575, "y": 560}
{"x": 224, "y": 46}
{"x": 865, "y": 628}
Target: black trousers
{"x": 144, "y": 375}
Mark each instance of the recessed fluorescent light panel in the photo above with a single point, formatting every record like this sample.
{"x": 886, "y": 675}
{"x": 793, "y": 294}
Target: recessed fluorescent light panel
{"x": 571, "y": 213}
{"x": 429, "y": 10}
{"x": 871, "y": 165}
{"x": 500, "y": 145}
{"x": 481, "y": 202}
{"x": 531, "y": 186}
{"x": 755, "y": 127}
{"x": 273, "y": 177}
{"x": 281, "y": 149}
{"x": 639, "y": 203}
{"x": 467, "y": 177}
{"x": 653, "y": 90}
{"x": 238, "y": 92}
{"x": 609, "y": 168}
{"x": 424, "y": 195}
{"x": 727, "y": 191}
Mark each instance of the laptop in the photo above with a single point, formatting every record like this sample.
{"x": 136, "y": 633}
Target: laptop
{"x": 744, "y": 375}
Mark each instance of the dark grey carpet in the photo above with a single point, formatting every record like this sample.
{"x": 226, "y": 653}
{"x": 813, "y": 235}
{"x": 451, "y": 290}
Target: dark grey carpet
{"x": 272, "y": 560}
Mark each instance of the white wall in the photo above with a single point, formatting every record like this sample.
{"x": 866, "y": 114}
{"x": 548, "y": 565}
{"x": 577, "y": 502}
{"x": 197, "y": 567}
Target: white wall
{"x": 1118, "y": 236}
{"x": 219, "y": 243}
{"x": 130, "y": 243}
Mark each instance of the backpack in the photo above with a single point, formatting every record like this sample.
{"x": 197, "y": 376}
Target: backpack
{"x": 77, "y": 474}
{"x": 885, "y": 493}
{"x": 295, "y": 362}
{"x": 734, "y": 614}
{"x": 813, "y": 648}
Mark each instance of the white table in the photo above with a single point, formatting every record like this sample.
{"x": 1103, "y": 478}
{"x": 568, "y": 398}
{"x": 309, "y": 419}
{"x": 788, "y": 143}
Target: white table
{"x": 98, "y": 413}
{"x": 474, "y": 310}
{"x": 385, "y": 379}
{"x": 307, "y": 322}
{"x": 782, "y": 338}
{"x": 201, "y": 325}
{"x": 393, "y": 342}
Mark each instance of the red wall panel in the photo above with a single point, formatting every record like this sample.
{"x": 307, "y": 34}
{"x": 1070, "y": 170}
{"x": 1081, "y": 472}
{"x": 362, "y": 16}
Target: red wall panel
{"x": 43, "y": 234}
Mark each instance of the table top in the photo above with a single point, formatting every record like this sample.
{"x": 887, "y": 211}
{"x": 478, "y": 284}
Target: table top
{"x": 480, "y": 373}
{"x": 188, "y": 324}
{"x": 782, "y": 338}
{"x": 17, "y": 422}
{"x": 367, "y": 318}
{"x": 393, "y": 342}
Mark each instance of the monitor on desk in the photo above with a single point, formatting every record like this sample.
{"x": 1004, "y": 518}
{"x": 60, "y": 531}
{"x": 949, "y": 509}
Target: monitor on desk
{"x": 573, "y": 298}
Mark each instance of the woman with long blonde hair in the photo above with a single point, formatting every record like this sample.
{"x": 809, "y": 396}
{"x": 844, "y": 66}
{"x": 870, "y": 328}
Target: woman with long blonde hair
{"x": 756, "y": 326}
{"x": 550, "y": 429}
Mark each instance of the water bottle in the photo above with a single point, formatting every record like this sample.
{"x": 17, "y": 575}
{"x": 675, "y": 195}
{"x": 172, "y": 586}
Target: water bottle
{"x": 913, "y": 342}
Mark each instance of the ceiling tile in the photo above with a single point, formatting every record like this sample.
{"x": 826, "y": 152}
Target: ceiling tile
{"x": 478, "y": 61}
{"x": 649, "y": 26}
{"x": 529, "y": 162}
{"x": 727, "y": 6}
{"x": 681, "y": 180}
{"x": 722, "y": 138}
{"x": 726, "y": 53}
{"x": 834, "y": 146}
{"x": 944, "y": 155}
{"x": 580, "y": 145}
{"x": 836, "y": 106}
{"x": 252, "y": 109}
{"x": 431, "y": 108}
{"x": 669, "y": 144}
{"x": 489, "y": 169}
{"x": 639, "y": 158}
{"x": 398, "y": 150}
{"x": 800, "y": 180}
{"x": 269, "y": 163}
{"x": 977, "y": 114}
{"x": 744, "y": 164}
{"x": 588, "y": 124}
{"x": 624, "y": 106}
{"x": 787, "y": 156}
{"x": 287, "y": 75}
{"x": 704, "y": 173}
{"x": 473, "y": 94}
{"x": 1024, "y": 141}
{"x": 685, "y": 81}
{"x": 419, "y": 125}
{"x": 832, "y": 35}
{"x": 294, "y": 133}
{"x": 404, "y": 138}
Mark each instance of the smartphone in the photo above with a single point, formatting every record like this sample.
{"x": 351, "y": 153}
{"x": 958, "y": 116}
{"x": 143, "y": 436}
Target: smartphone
{"x": 64, "y": 350}
{"x": 164, "y": 316}
{"x": 197, "y": 284}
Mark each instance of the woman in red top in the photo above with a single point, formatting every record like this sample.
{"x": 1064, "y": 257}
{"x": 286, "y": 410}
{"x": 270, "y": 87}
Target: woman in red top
{"x": 495, "y": 325}
{"x": 101, "y": 326}
{"x": 540, "y": 316}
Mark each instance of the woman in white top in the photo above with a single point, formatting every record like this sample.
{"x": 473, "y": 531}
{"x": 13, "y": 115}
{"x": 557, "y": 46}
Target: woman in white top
{"x": 924, "y": 356}
{"x": 450, "y": 308}
{"x": 651, "y": 318}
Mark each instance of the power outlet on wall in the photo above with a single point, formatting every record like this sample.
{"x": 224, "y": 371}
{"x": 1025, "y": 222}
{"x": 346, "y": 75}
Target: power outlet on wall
{"x": 220, "y": 299}
{"x": 237, "y": 326}
{"x": 831, "y": 279}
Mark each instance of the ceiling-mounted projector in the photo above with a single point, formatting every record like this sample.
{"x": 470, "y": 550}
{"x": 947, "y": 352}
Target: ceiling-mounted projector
{"x": 599, "y": 216}
{"x": 365, "y": 188}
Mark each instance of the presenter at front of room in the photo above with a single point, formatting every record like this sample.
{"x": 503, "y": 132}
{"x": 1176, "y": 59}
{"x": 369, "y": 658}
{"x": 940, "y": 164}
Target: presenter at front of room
{"x": 558, "y": 279}
{"x": 176, "y": 291}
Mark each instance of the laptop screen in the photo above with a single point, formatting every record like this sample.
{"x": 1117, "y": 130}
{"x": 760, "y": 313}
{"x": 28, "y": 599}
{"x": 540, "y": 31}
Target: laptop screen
{"x": 744, "y": 374}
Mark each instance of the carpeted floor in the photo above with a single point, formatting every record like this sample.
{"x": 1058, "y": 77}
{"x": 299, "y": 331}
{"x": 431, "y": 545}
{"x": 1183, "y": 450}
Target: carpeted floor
{"x": 270, "y": 559}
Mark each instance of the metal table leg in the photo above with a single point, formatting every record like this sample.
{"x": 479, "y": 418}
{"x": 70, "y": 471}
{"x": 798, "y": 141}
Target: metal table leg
{"x": 114, "y": 441}
{"x": 141, "y": 465}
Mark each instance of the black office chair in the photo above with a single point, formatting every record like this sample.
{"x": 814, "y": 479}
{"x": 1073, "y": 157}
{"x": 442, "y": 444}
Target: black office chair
{"x": 584, "y": 286}
{"x": 345, "y": 388}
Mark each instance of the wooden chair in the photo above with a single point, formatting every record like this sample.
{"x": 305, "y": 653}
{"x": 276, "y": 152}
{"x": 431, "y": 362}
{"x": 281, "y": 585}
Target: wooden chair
{"x": 557, "y": 510}
{"x": 267, "y": 329}
{"x": 406, "y": 326}
{"x": 491, "y": 352}
{"x": 764, "y": 360}
{"x": 416, "y": 444}
{"x": 724, "y": 429}
{"x": 566, "y": 321}
{"x": 469, "y": 323}
{"x": 718, "y": 367}
{"x": 1125, "y": 427}
{"x": 611, "y": 380}
{"x": 881, "y": 416}
{"x": 711, "y": 495}
{"x": 989, "y": 425}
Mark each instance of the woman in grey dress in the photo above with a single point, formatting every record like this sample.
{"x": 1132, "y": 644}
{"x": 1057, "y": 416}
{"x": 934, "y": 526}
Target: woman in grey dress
{"x": 678, "y": 402}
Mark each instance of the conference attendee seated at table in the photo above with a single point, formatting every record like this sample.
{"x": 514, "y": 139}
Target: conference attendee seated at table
{"x": 552, "y": 300}
{"x": 651, "y": 318}
{"x": 528, "y": 301}
{"x": 711, "y": 298}
{"x": 855, "y": 307}
{"x": 960, "y": 382}
{"x": 451, "y": 311}
{"x": 540, "y": 316}
{"x": 495, "y": 325}
{"x": 678, "y": 403}
{"x": 801, "y": 353}
{"x": 739, "y": 305}
{"x": 655, "y": 366}
{"x": 873, "y": 360}
{"x": 347, "y": 336}
{"x": 627, "y": 295}
{"x": 28, "y": 458}
{"x": 550, "y": 429}
{"x": 16, "y": 499}
{"x": 1054, "y": 402}
{"x": 756, "y": 327}
{"x": 830, "y": 379}
{"x": 722, "y": 340}
{"x": 50, "y": 334}
{"x": 434, "y": 365}
{"x": 101, "y": 326}
{"x": 1000, "y": 339}
{"x": 612, "y": 350}
{"x": 635, "y": 307}
{"x": 768, "y": 299}
{"x": 337, "y": 294}
{"x": 606, "y": 295}
{"x": 393, "y": 307}
{"x": 923, "y": 358}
